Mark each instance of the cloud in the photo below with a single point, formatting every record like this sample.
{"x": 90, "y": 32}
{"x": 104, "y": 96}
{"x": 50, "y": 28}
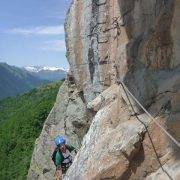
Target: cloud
{"x": 54, "y": 45}
{"x": 39, "y": 30}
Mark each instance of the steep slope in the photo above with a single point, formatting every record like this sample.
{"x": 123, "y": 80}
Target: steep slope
{"x": 14, "y": 81}
{"x": 68, "y": 117}
{"x": 21, "y": 121}
{"x": 136, "y": 42}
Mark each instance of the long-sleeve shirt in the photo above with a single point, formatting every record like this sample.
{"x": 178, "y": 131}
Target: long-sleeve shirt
{"x": 59, "y": 156}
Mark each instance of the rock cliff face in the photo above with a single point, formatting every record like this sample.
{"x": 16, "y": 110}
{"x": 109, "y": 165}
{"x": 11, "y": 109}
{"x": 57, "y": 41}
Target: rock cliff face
{"x": 70, "y": 118}
{"x": 135, "y": 41}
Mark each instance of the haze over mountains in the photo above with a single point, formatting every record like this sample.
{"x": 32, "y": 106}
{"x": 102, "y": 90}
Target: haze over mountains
{"x": 46, "y": 72}
{"x": 15, "y": 80}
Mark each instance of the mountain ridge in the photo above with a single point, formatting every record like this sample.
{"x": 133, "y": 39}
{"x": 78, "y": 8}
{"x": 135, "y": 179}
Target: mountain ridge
{"x": 14, "y": 80}
{"x": 47, "y": 72}
{"x": 40, "y": 68}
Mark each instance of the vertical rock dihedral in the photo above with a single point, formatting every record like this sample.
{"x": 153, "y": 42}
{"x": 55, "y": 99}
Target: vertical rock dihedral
{"x": 136, "y": 41}
{"x": 81, "y": 49}
{"x": 117, "y": 39}
{"x": 69, "y": 118}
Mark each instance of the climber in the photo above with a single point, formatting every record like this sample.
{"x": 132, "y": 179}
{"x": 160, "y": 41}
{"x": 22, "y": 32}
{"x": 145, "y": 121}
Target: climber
{"x": 61, "y": 156}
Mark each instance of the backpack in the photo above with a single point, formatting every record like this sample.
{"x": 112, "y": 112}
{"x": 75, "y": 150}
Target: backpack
{"x": 53, "y": 156}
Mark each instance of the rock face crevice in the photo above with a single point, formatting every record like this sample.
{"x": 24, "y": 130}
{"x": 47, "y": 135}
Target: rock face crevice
{"x": 137, "y": 42}
{"x": 70, "y": 118}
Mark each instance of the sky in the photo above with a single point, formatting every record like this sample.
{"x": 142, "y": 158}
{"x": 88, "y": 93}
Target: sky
{"x": 32, "y": 32}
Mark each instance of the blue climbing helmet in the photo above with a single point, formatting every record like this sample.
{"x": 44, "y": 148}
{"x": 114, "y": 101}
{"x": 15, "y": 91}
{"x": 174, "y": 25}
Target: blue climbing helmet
{"x": 59, "y": 140}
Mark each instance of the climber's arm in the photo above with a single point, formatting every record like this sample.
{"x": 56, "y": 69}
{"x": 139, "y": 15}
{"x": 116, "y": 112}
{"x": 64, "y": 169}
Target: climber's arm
{"x": 71, "y": 148}
{"x": 59, "y": 173}
{"x": 58, "y": 166}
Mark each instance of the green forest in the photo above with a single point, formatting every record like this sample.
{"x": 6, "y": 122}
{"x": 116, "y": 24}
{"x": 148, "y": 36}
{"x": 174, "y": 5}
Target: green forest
{"x": 21, "y": 122}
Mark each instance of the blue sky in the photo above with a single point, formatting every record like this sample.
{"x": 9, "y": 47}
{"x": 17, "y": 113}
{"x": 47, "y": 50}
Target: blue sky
{"x": 32, "y": 32}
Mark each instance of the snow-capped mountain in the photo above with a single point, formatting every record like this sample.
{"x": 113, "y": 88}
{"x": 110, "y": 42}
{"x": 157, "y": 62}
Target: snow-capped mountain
{"x": 41, "y": 68}
{"x": 15, "y": 80}
{"x": 47, "y": 73}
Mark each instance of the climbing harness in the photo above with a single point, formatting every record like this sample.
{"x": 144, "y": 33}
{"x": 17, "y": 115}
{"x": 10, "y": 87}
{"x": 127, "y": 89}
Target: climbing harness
{"x": 67, "y": 161}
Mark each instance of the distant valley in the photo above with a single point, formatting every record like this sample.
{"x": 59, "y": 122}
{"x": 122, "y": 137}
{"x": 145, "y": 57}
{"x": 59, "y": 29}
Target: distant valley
{"x": 21, "y": 121}
{"x": 15, "y": 80}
